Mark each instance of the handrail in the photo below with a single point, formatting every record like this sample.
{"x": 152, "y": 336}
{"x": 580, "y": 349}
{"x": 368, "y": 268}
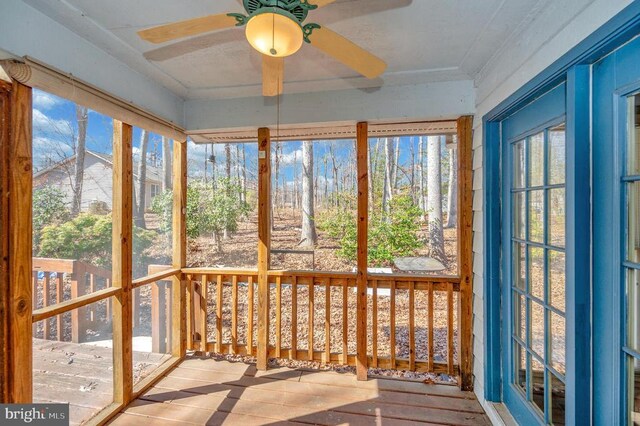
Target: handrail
{"x": 78, "y": 302}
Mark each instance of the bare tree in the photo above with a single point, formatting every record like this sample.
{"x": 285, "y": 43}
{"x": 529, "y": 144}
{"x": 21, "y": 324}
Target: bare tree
{"x": 434, "y": 198}
{"x": 308, "y": 236}
{"x": 227, "y": 152}
{"x": 167, "y": 184}
{"x": 412, "y": 180}
{"x": 82, "y": 116}
{"x": 396, "y": 157}
{"x": 421, "y": 189}
{"x": 452, "y": 198}
{"x": 142, "y": 179}
{"x": 244, "y": 174}
{"x": 335, "y": 187}
{"x": 388, "y": 177}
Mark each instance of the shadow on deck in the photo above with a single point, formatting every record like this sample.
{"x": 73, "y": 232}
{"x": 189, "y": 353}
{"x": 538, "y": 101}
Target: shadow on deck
{"x": 205, "y": 391}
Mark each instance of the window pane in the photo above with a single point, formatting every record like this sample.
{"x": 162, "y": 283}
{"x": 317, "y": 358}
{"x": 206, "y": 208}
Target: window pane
{"x": 558, "y": 342}
{"x": 519, "y": 164}
{"x": 557, "y": 155}
{"x": 633, "y": 222}
{"x": 536, "y": 160}
{"x": 519, "y": 215}
{"x": 557, "y": 291}
{"x": 633, "y": 309}
{"x": 536, "y": 272}
{"x": 633, "y": 149}
{"x": 557, "y": 400}
{"x": 152, "y": 211}
{"x": 633, "y": 389}
{"x": 537, "y": 329}
{"x": 519, "y": 266}
{"x": 556, "y": 229}
{"x": 537, "y": 379}
{"x": 536, "y": 216}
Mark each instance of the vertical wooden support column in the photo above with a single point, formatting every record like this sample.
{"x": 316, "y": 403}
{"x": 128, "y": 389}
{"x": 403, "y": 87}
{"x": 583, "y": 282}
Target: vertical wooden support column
{"x": 264, "y": 242}
{"x": 465, "y": 255}
{"x": 5, "y": 122}
{"x": 178, "y": 284}
{"x": 362, "y": 151}
{"x": 122, "y": 261}
{"x": 19, "y": 233}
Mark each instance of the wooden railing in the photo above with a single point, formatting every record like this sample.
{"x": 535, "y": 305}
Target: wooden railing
{"x": 82, "y": 278}
{"x": 222, "y": 317}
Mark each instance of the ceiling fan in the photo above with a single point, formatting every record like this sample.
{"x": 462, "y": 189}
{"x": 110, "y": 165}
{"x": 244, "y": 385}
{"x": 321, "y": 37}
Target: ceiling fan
{"x": 276, "y": 28}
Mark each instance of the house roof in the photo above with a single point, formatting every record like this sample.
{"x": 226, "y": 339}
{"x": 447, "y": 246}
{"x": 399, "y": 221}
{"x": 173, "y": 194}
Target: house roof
{"x": 154, "y": 174}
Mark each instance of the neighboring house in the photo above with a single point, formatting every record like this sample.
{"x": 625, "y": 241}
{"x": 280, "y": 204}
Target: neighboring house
{"x": 98, "y": 181}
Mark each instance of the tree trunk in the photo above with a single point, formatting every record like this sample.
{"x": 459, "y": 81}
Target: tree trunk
{"x": 244, "y": 174}
{"x": 412, "y": 183}
{"x": 82, "y": 116}
{"x": 396, "y": 157}
{"x": 335, "y": 189}
{"x": 308, "y": 237}
{"x": 452, "y": 198}
{"x": 238, "y": 180}
{"x": 388, "y": 177}
{"x": 434, "y": 201}
{"x": 227, "y": 153}
{"x": 421, "y": 189}
{"x": 142, "y": 179}
{"x": 167, "y": 184}
{"x": 326, "y": 183}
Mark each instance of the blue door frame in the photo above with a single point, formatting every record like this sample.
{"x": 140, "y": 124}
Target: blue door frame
{"x": 574, "y": 68}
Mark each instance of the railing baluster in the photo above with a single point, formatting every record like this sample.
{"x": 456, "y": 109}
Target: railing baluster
{"x": 234, "y": 314}
{"x": 46, "y": 301}
{"x": 450, "y": 329}
{"x": 219, "y": 303}
{"x": 293, "y": 354}
{"x": 92, "y": 289}
{"x": 430, "y": 341}
{"x": 34, "y": 292}
{"x": 345, "y": 322}
{"x": 412, "y": 327}
{"x": 392, "y": 319}
{"x": 197, "y": 314}
{"x": 203, "y": 313}
{"x": 250, "y": 317}
{"x": 59, "y": 297}
{"x": 327, "y": 321}
{"x": 190, "y": 312}
{"x": 278, "y": 317}
{"x": 310, "y": 319}
{"x": 374, "y": 324}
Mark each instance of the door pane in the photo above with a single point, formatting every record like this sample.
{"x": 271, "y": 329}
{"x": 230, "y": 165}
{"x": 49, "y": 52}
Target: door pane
{"x": 520, "y": 316}
{"x": 556, "y": 155}
{"x": 519, "y": 215}
{"x": 558, "y": 329}
{"x": 633, "y": 148}
{"x": 536, "y": 272}
{"x": 537, "y": 328}
{"x": 536, "y": 160}
{"x": 633, "y": 309}
{"x": 519, "y": 164}
{"x": 520, "y": 363}
{"x": 633, "y": 383}
{"x": 557, "y": 400}
{"x": 537, "y": 378}
{"x": 633, "y": 222}
{"x": 556, "y": 230}
{"x": 536, "y": 216}
{"x": 519, "y": 266}
{"x": 557, "y": 293}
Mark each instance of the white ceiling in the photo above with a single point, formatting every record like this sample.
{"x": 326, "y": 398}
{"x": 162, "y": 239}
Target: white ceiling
{"x": 421, "y": 40}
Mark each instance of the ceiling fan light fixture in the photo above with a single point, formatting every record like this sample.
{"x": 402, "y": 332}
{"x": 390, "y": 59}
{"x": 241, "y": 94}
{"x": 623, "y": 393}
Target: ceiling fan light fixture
{"x": 274, "y": 34}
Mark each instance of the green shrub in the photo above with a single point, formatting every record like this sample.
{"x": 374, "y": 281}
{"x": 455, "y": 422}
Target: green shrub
{"x": 388, "y": 237}
{"x": 88, "y": 238}
{"x": 49, "y": 208}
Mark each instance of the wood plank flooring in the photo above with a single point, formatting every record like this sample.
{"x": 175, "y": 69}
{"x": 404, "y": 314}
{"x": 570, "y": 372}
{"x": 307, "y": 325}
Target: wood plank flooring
{"x": 203, "y": 391}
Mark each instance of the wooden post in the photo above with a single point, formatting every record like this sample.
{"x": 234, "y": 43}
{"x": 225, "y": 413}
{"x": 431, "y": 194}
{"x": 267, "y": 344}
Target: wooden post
{"x": 264, "y": 244}
{"x": 178, "y": 284}
{"x": 465, "y": 254}
{"x": 158, "y": 318}
{"x": 78, "y": 316}
{"x": 122, "y": 261}
{"x": 20, "y": 370}
{"x": 362, "y": 151}
{"x": 5, "y": 118}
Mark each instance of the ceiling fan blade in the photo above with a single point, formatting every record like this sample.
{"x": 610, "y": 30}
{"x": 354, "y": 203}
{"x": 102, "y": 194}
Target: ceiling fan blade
{"x": 321, "y": 3}
{"x": 187, "y": 28}
{"x": 272, "y": 75}
{"x": 347, "y": 52}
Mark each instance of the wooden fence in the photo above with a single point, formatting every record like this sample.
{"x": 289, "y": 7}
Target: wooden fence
{"x": 222, "y": 317}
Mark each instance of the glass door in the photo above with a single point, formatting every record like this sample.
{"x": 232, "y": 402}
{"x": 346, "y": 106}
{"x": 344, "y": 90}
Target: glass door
{"x": 534, "y": 295}
{"x": 616, "y": 243}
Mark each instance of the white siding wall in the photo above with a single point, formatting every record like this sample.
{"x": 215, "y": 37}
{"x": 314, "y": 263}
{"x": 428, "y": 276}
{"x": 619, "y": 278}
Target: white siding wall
{"x": 545, "y": 37}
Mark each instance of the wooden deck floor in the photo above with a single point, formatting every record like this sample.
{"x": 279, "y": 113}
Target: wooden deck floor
{"x": 204, "y": 391}
{"x": 81, "y": 375}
